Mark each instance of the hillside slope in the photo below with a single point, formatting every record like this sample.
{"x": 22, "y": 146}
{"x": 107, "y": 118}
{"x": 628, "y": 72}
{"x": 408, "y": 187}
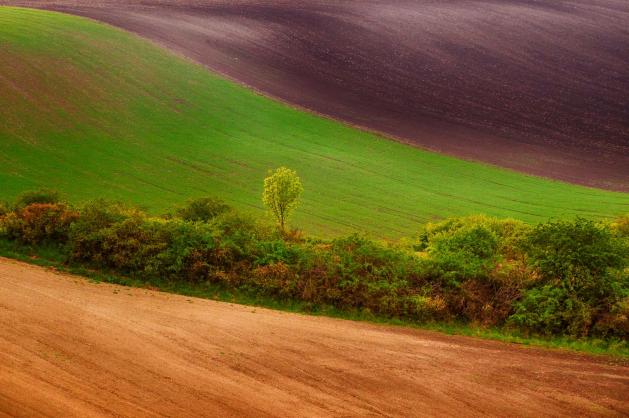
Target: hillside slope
{"x": 540, "y": 86}
{"x": 96, "y": 112}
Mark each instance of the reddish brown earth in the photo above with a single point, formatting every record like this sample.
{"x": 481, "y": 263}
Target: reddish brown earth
{"x": 541, "y": 86}
{"x": 70, "y": 347}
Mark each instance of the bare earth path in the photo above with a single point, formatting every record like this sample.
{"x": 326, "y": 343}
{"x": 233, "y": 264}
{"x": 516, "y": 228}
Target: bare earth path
{"x": 72, "y": 347}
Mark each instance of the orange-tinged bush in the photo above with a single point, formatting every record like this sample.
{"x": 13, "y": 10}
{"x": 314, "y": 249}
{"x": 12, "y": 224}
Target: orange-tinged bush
{"x": 40, "y": 222}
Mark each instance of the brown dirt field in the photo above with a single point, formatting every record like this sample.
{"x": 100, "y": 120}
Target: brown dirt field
{"x": 70, "y": 347}
{"x": 540, "y": 86}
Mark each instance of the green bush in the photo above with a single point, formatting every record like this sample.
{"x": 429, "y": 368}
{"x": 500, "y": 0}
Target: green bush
{"x": 182, "y": 251}
{"x": 240, "y": 234}
{"x": 202, "y": 210}
{"x": 464, "y": 253}
{"x": 125, "y": 239}
{"x": 575, "y": 254}
{"x": 359, "y": 273}
{"x": 276, "y": 251}
{"x": 471, "y": 247}
{"x": 89, "y": 232}
{"x": 508, "y": 231}
{"x": 131, "y": 245}
{"x": 37, "y": 196}
{"x": 476, "y": 265}
{"x": 615, "y": 324}
{"x": 581, "y": 276}
{"x": 550, "y": 310}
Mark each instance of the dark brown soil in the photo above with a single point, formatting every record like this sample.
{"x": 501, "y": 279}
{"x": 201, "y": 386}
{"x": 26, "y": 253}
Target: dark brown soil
{"x": 69, "y": 347}
{"x": 541, "y": 86}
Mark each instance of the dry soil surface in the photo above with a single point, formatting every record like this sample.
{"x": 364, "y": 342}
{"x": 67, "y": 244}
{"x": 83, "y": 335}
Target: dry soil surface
{"x": 71, "y": 347}
{"x": 541, "y": 86}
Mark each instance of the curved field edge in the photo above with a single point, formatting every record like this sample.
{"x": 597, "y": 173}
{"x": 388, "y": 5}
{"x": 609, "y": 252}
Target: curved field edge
{"x": 524, "y": 84}
{"x": 103, "y": 113}
{"x": 50, "y": 258}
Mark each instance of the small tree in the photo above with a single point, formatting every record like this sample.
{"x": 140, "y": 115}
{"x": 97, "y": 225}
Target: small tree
{"x": 282, "y": 189}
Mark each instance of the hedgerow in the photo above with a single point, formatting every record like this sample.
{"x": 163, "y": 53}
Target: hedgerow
{"x": 556, "y": 278}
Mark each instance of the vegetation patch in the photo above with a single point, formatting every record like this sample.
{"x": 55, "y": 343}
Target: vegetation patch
{"x": 559, "y": 279}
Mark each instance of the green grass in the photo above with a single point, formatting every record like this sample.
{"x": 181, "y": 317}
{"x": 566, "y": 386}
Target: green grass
{"x": 96, "y": 112}
{"x": 52, "y": 257}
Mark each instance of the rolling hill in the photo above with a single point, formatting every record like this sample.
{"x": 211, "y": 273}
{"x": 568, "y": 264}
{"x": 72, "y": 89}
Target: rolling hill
{"x": 539, "y": 86}
{"x": 97, "y": 112}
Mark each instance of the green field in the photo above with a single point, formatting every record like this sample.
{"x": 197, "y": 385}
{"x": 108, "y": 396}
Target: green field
{"x": 96, "y": 112}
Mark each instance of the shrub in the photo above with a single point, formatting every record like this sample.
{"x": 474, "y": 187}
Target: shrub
{"x": 508, "y": 231}
{"x": 184, "y": 251}
{"x": 276, "y": 251}
{"x": 130, "y": 242}
{"x": 363, "y": 274}
{"x": 616, "y": 322}
{"x": 468, "y": 247}
{"x": 579, "y": 256}
{"x": 552, "y": 310}
{"x": 131, "y": 245}
{"x": 427, "y": 308}
{"x": 202, "y": 210}
{"x": 476, "y": 241}
{"x": 37, "y": 196}
{"x": 239, "y": 235}
{"x": 88, "y": 233}
{"x": 294, "y": 235}
{"x": 620, "y": 226}
{"x": 113, "y": 236}
{"x": 467, "y": 252}
{"x": 575, "y": 254}
{"x": 349, "y": 273}
{"x": 275, "y": 279}
{"x": 39, "y": 222}
{"x": 580, "y": 266}
{"x": 475, "y": 263}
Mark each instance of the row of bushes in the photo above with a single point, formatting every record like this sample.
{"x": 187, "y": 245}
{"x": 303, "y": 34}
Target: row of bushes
{"x": 555, "y": 278}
